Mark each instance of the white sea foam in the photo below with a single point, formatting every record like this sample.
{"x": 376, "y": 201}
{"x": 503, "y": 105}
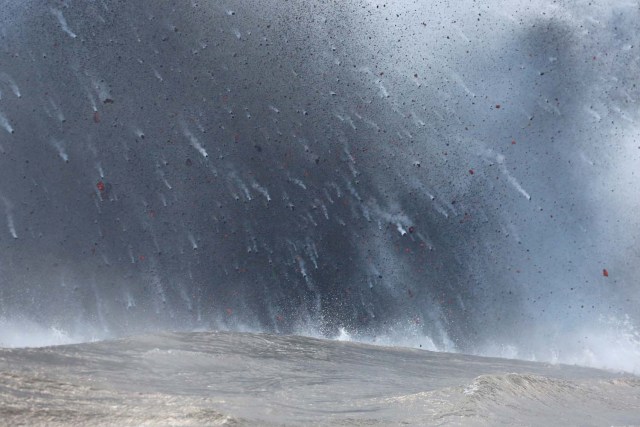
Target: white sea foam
{"x": 609, "y": 343}
{"x": 19, "y": 333}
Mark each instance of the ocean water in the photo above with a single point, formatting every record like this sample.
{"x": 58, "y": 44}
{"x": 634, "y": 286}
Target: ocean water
{"x": 457, "y": 177}
{"x": 237, "y": 379}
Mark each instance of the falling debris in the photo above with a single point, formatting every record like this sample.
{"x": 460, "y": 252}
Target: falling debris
{"x": 60, "y": 148}
{"x": 4, "y": 122}
{"x": 63, "y": 23}
{"x": 195, "y": 143}
{"x": 8, "y": 208}
{"x": 605, "y": 272}
{"x": 4, "y": 77}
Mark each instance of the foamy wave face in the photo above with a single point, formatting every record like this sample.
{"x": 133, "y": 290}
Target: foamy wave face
{"x": 609, "y": 343}
{"x": 613, "y": 345}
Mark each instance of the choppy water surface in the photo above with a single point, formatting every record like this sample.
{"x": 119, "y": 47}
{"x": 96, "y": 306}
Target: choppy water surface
{"x": 248, "y": 379}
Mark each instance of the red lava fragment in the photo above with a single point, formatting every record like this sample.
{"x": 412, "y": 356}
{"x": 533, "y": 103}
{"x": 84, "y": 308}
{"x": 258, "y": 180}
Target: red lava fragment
{"x": 229, "y": 311}
{"x": 605, "y": 272}
{"x": 141, "y": 257}
{"x": 498, "y": 106}
{"x": 100, "y": 186}
{"x": 513, "y": 142}
{"x": 411, "y": 229}
{"x": 96, "y": 117}
{"x": 471, "y": 172}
